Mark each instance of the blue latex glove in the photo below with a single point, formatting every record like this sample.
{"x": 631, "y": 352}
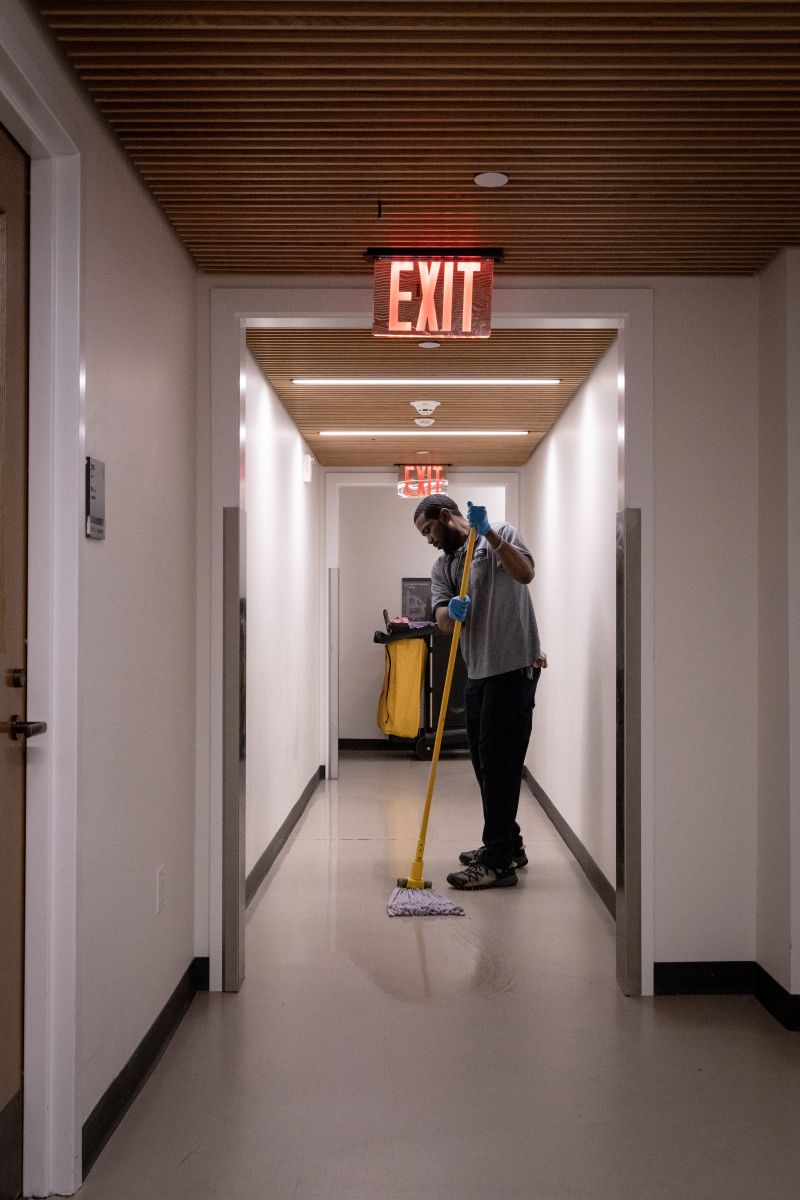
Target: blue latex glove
{"x": 476, "y": 515}
{"x": 457, "y": 609}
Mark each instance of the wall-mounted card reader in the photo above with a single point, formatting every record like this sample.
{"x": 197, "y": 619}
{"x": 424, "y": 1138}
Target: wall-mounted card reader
{"x": 95, "y": 499}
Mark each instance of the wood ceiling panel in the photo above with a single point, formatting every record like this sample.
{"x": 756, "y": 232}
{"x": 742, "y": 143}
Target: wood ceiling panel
{"x": 567, "y": 354}
{"x": 640, "y": 138}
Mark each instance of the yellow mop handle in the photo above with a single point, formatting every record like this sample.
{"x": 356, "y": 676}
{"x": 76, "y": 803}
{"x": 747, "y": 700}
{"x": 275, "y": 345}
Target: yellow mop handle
{"x": 415, "y": 878}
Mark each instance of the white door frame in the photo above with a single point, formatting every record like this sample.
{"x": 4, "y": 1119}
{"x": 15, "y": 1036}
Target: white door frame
{"x": 51, "y": 1135}
{"x": 227, "y": 307}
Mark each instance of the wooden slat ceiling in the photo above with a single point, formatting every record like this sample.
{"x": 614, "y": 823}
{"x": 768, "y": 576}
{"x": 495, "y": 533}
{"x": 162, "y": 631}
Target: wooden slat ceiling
{"x": 567, "y": 354}
{"x": 638, "y": 137}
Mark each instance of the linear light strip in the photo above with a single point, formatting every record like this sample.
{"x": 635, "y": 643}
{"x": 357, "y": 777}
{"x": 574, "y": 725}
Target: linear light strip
{"x": 406, "y": 382}
{"x": 420, "y": 433}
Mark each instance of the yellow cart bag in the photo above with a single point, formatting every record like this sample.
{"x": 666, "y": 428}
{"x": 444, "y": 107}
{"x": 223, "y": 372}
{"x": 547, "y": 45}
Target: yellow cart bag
{"x": 403, "y": 675}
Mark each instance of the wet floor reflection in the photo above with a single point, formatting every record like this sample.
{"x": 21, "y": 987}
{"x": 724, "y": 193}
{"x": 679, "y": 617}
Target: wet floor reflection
{"x": 419, "y": 960}
{"x": 434, "y": 961}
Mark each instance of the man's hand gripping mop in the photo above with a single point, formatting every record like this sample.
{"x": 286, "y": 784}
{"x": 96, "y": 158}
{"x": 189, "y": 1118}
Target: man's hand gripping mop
{"x": 414, "y": 897}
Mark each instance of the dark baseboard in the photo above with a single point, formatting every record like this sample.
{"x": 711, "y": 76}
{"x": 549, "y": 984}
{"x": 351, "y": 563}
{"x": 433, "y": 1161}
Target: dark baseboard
{"x": 574, "y": 844}
{"x": 200, "y": 974}
{"x": 262, "y": 867}
{"x": 453, "y": 741}
{"x": 704, "y": 978}
{"x": 370, "y": 745}
{"x": 728, "y": 979}
{"x": 784, "y": 1006}
{"x": 11, "y": 1144}
{"x": 117, "y": 1098}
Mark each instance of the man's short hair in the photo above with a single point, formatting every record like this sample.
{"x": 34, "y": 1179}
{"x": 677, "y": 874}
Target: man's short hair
{"x": 431, "y": 506}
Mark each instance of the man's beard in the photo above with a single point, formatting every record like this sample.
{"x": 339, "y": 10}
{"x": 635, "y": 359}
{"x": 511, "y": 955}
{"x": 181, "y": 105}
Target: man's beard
{"x": 452, "y": 540}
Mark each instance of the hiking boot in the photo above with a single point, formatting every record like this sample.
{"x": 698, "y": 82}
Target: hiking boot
{"x": 478, "y": 875}
{"x": 519, "y": 858}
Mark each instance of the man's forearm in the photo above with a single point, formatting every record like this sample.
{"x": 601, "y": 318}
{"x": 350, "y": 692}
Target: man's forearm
{"x": 444, "y": 620}
{"x": 518, "y": 565}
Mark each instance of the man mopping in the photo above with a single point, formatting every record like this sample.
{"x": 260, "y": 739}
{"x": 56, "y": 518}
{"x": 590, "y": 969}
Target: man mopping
{"x": 501, "y": 649}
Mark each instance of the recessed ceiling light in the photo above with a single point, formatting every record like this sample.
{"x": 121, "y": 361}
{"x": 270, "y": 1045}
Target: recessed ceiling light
{"x": 405, "y": 381}
{"x": 423, "y": 452}
{"x": 491, "y": 179}
{"x": 429, "y": 345}
{"x": 404, "y": 433}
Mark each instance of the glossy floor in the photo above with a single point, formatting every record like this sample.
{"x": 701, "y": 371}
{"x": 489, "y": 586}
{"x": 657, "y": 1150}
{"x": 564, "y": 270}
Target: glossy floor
{"x": 456, "y": 1058}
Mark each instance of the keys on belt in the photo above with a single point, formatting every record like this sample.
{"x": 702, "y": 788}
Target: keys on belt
{"x": 538, "y": 664}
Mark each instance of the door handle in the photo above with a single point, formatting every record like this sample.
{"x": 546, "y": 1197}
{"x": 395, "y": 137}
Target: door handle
{"x": 16, "y": 728}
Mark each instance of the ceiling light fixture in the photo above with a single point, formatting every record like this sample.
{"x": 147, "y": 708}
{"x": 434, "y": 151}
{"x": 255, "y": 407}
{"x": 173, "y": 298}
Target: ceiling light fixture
{"x": 425, "y": 407}
{"x": 429, "y": 345}
{"x": 450, "y": 381}
{"x": 404, "y": 433}
{"x": 423, "y": 422}
{"x": 491, "y": 179}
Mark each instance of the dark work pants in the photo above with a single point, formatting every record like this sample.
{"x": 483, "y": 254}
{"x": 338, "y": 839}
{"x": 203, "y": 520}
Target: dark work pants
{"x": 499, "y": 714}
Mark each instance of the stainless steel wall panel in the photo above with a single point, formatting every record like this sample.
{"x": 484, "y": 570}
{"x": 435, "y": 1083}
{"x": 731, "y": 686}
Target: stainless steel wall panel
{"x": 629, "y": 752}
{"x": 234, "y": 748}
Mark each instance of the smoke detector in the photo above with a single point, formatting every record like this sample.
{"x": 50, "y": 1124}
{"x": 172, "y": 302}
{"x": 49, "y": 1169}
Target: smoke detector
{"x": 491, "y": 179}
{"x": 424, "y": 421}
{"x": 425, "y": 407}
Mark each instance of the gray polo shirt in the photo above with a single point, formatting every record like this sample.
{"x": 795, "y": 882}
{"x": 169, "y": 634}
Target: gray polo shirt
{"x": 500, "y": 631}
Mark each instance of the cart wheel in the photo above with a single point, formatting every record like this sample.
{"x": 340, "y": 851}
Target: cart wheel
{"x": 422, "y": 750}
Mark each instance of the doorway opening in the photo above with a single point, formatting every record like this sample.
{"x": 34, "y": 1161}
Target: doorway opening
{"x": 626, "y": 312}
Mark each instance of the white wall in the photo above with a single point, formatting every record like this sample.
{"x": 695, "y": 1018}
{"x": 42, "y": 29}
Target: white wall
{"x": 285, "y": 667}
{"x": 774, "y": 817}
{"x": 569, "y": 502}
{"x": 136, "y": 807}
{"x": 793, "y": 507}
{"x": 705, "y": 554}
{"x": 137, "y": 673}
{"x": 793, "y": 572}
{"x": 135, "y": 651}
{"x": 706, "y": 504}
{"x": 779, "y": 623}
{"x": 379, "y": 545}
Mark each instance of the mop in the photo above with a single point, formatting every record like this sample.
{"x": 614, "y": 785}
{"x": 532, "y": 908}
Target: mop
{"x": 414, "y": 896}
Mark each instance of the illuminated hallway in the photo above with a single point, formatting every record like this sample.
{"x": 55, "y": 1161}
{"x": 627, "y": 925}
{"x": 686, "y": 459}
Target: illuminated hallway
{"x": 488, "y": 1056}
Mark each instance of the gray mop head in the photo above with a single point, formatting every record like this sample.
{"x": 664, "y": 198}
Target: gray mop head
{"x": 421, "y": 902}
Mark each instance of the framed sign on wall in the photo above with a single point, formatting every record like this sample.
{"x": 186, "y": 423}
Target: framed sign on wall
{"x": 416, "y": 598}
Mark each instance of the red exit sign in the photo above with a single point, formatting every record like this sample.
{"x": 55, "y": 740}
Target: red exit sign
{"x": 421, "y": 479}
{"x": 449, "y": 297}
